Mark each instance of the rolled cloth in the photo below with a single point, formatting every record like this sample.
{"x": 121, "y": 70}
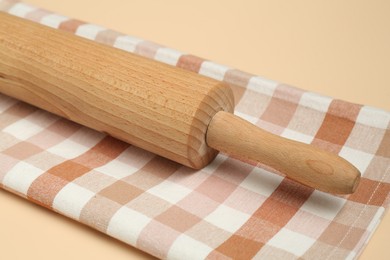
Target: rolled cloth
{"x": 228, "y": 209}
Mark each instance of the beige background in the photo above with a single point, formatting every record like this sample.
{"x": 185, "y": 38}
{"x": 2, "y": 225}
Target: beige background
{"x": 337, "y": 48}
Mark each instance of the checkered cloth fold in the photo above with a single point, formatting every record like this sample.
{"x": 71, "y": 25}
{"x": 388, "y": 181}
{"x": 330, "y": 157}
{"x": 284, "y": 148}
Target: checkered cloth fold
{"x": 229, "y": 209}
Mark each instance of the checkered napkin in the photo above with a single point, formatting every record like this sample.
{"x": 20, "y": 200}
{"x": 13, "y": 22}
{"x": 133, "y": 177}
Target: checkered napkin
{"x": 229, "y": 209}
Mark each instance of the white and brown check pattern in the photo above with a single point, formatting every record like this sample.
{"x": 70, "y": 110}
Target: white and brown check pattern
{"x": 229, "y": 209}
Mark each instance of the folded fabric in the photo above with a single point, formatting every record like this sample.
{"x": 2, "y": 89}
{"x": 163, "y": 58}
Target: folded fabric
{"x": 229, "y": 209}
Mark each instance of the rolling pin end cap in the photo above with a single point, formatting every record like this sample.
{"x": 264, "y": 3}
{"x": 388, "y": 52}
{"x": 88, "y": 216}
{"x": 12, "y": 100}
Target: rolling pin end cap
{"x": 347, "y": 182}
{"x": 356, "y": 181}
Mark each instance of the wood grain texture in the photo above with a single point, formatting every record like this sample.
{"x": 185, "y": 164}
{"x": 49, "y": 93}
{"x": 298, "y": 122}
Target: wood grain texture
{"x": 301, "y": 162}
{"x": 158, "y": 107}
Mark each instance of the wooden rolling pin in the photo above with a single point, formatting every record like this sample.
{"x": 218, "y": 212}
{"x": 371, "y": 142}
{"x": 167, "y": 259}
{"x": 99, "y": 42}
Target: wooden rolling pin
{"x": 169, "y": 111}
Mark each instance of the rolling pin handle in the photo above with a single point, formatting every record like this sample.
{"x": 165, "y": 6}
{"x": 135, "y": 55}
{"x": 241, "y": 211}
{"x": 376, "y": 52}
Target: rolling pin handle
{"x": 301, "y": 162}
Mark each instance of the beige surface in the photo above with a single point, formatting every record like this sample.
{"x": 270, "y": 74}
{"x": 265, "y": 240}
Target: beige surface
{"x": 337, "y": 48}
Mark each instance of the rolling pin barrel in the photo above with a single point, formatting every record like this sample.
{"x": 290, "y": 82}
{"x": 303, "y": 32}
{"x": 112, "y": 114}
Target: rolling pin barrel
{"x": 146, "y": 103}
{"x": 174, "y": 113}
